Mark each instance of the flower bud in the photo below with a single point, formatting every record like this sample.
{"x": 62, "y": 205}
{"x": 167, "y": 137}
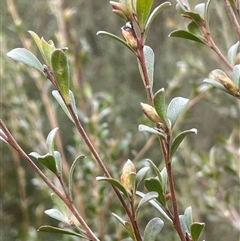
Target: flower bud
{"x": 151, "y": 113}
{"x": 129, "y": 35}
{"x": 128, "y": 177}
{"x": 121, "y": 10}
{"x": 229, "y": 85}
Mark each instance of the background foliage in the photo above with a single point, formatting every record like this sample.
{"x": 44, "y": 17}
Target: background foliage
{"x": 109, "y": 91}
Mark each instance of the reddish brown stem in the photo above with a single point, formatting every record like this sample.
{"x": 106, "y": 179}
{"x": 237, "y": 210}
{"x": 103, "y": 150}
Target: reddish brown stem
{"x": 233, "y": 18}
{"x": 175, "y": 218}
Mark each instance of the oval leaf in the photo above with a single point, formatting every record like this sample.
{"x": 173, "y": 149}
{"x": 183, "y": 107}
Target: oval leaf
{"x": 58, "y": 161}
{"x": 153, "y": 184}
{"x": 146, "y": 198}
{"x": 56, "y": 214}
{"x": 70, "y": 178}
{"x": 175, "y": 108}
{"x": 183, "y": 224}
{"x": 24, "y": 56}
{"x": 149, "y": 59}
{"x": 60, "y": 101}
{"x": 186, "y": 35}
{"x": 120, "y": 220}
{"x": 116, "y": 38}
{"x": 164, "y": 177}
{"x": 232, "y": 53}
{"x": 154, "y": 13}
{"x": 180, "y": 137}
{"x": 61, "y": 73}
{"x": 188, "y": 218}
{"x": 196, "y": 230}
{"x": 194, "y": 29}
{"x": 155, "y": 168}
{"x": 49, "y": 162}
{"x": 206, "y": 13}
{"x": 51, "y": 229}
{"x": 152, "y": 229}
{"x": 141, "y": 174}
{"x": 50, "y": 140}
{"x": 39, "y": 43}
{"x": 59, "y": 204}
{"x": 151, "y": 130}
{"x": 143, "y": 10}
{"x": 115, "y": 183}
{"x": 160, "y": 106}
{"x": 155, "y": 205}
{"x": 215, "y": 84}
{"x": 236, "y": 75}
{"x": 200, "y": 9}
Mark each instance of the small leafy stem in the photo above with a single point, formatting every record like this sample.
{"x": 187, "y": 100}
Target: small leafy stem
{"x": 7, "y": 136}
{"x": 165, "y": 145}
{"x": 88, "y": 142}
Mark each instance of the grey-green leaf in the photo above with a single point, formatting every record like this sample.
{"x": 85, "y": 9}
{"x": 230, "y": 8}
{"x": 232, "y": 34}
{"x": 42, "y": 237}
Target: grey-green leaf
{"x": 232, "y": 52}
{"x": 24, "y": 56}
{"x": 58, "y": 161}
{"x": 50, "y": 140}
{"x": 115, "y": 183}
{"x": 179, "y": 138}
{"x": 152, "y": 229}
{"x": 56, "y": 214}
{"x": 156, "y": 205}
{"x": 188, "y": 218}
{"x": 151, "y": 130}
{"x": 206, "y": 13}
{"x": 154, "y": 13}
{"x": 146, "y": 198}
{"x": 51, "y": 229}
{"x": 141, "y": 174}
{"x": 186, "y": 35}
{"x": 113, "y": 36}
{"x": 175, "y": 108}
{"x": 60, "y": 205}
{"x": 70, "y": 178}
{"x": 215, "y": 83}
{"x": 149, "y": 60}
{"x": 236, "y": 75}
{"x": 183, "y": 223}
{"x": 123, "y": 222}
{"x": 164, "y": 179}
{"x": 200, "y": 9}
{"x": 155, "y": 168}
{"x": 49, "y": 162}
{"x": 160, "y": 107}
{"x": 61, "y": 72}
{"x": 60, "y": 101}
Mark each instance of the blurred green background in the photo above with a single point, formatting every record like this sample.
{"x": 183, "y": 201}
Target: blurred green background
{"x": 108, "y": 88}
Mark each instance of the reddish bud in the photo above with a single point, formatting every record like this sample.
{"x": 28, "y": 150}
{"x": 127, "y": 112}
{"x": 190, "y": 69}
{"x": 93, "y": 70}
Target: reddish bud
{"x": 121, "y": 10}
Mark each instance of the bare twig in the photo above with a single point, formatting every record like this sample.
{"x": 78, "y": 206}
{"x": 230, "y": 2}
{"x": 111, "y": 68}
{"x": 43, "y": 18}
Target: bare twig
{"x": 233, "y": 18}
